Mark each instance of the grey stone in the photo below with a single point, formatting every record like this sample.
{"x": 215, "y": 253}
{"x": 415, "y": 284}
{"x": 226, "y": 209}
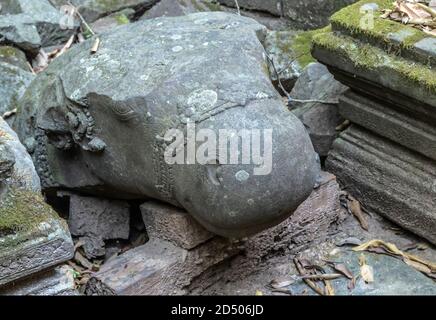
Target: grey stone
{"x": 427, "y": 46}
{"x": 32, "y": 237}
{"x": 94, "y": 217}
{"x": 408, "y": 130}
{"x": 209, "y": 68}
{"x": 312, "y": 14}
{"x": 55, "y": 282}
{"x": 114, "y": 20}
{"x": 93, "y": 246}
{"x": 320, "y": 119}
{"x": 158, "y": 268}
{"x": 313, "y": 222}
{"x": 387, "y": 179}
{"x": 30, "y": 24}
{"x": 16, "y": 77}
{"x": 272, "y": 6}
{"x": 13, "y": 56}
{"x": 173, "y": 224}
{"x": 92, "y": 10}
{"x": 175, "y": 8}
{"x": 16, "y": 163}
{"x": 280, "y": 47}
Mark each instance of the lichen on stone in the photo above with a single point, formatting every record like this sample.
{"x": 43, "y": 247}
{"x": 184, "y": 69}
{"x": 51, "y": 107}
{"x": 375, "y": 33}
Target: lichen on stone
{"x": 365, "y": 56}
{"x": 352, "y": 20}
{"x": 23, "y": 211}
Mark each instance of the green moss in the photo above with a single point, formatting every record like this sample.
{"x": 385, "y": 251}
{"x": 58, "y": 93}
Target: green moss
{"x": 298, "y": 45}
{"x": 365, "y": 56}
{"x": 122, "y": 19}
{"x": 349, "y": 20}
{"x": 303, "y": 43}
{"x": 23, "y": 211}
{"x": 197, "y": 6}
{"x": 9, "y": 52}
{"x": 212, "y": 6}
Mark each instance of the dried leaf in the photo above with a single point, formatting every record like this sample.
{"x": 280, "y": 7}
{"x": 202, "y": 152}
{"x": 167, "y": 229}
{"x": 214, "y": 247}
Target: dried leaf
{"x": 79, "y": 258}
{"x": 349, "y": 241}
{"x": 366, "y": 271}
{"x": 329, "y": 290}
{"x": 342, "y": 268}
{"x": 276, "y": 284}
{"x": 352, "y": 284}
{"x": 259, "y": 293}
{"x": 356, "y": 210}
{"x": 419, "y": 264}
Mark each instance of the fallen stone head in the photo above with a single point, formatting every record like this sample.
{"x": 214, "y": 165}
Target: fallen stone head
{"x": 177, "y": 109}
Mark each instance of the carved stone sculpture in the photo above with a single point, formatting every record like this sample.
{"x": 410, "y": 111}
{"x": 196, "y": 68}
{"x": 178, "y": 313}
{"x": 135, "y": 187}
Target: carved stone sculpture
{"x": 103, "y": 121}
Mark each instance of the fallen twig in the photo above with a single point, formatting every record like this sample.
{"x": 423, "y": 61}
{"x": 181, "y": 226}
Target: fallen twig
{"x": 309, "y": 282}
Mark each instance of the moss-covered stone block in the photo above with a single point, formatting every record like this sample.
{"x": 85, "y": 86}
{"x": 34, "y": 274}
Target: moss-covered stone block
{"x": 390, "y": 54}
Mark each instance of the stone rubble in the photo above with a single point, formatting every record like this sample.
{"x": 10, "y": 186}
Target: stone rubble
{"x": 387, "y": 157}
{"x": 94, "y": 126}
{"x": 32, "y": 237}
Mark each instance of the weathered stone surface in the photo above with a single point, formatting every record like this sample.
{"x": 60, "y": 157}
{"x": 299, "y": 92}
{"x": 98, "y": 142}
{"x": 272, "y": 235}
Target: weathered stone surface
{"x": 272, "y": 6}
{"x": 114, "y": 20}
{"x": 92, "y": 10}
{"x": 15, "y": 77}
{"x": 388, "y": 179}
{"x": 55, "y": 282}
{"x": 320, "y": 119}
{"x": 402, "y": 80}
{"x": 304, "y": 14}
{"x": 312, "y": 14}
{"x": 95, "y": 220}
{"x": 108, "y": 219}
{"x": 279, "y": 46}
{"x": 175, "y": 8}
{"x": 174, "y": 225}
{"x": 13, "y": 56}
{"x": 311, "y": 223}
{"x": 384, "y": 118}
{"x": 32, "y": 237}
{"x": 158, "y": 268}
{"x": 17, "y": 169}
{"x": 30, "y": 24}
{"x": 191, "y": 68}
{"x": 389, "y": 165}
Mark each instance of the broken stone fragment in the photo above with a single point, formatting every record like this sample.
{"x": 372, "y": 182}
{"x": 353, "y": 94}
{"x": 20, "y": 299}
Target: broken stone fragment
{"x": 15, "y": 77}
{"x": 290, "y": 52}
{"x": 272, "y": 6}
{"x": 320, "y": 119}
{"x": 312, "y": 14}
{"x": 55, "y": 282}
{"x": 108, "y": 219}
{"x": 92, "y": 10}
{"x": 95, "y": 220}
{"x": 173, "y": 224}
{"x": 198, "y": 76}
{"x": 158, "y": 268}
{"x": 32, "y": 237}
{"x": 111, "y": 21}
{"x": 30, "y": 25}
{"x": 175, "y": 8}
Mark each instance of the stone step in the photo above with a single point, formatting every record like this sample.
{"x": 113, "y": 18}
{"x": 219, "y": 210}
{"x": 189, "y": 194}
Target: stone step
{"x": 387, "y": 179}
{"x": 390, "y": 121}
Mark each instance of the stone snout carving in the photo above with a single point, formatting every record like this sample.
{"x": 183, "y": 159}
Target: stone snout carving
{"x": 104, "y": 122}
{"x": 118, "y": 142}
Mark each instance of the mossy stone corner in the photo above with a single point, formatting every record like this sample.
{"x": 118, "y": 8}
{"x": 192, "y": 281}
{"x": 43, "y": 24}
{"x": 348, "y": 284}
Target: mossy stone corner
{"x": 291, "y": 53}
{"x": 391, "y": 54}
